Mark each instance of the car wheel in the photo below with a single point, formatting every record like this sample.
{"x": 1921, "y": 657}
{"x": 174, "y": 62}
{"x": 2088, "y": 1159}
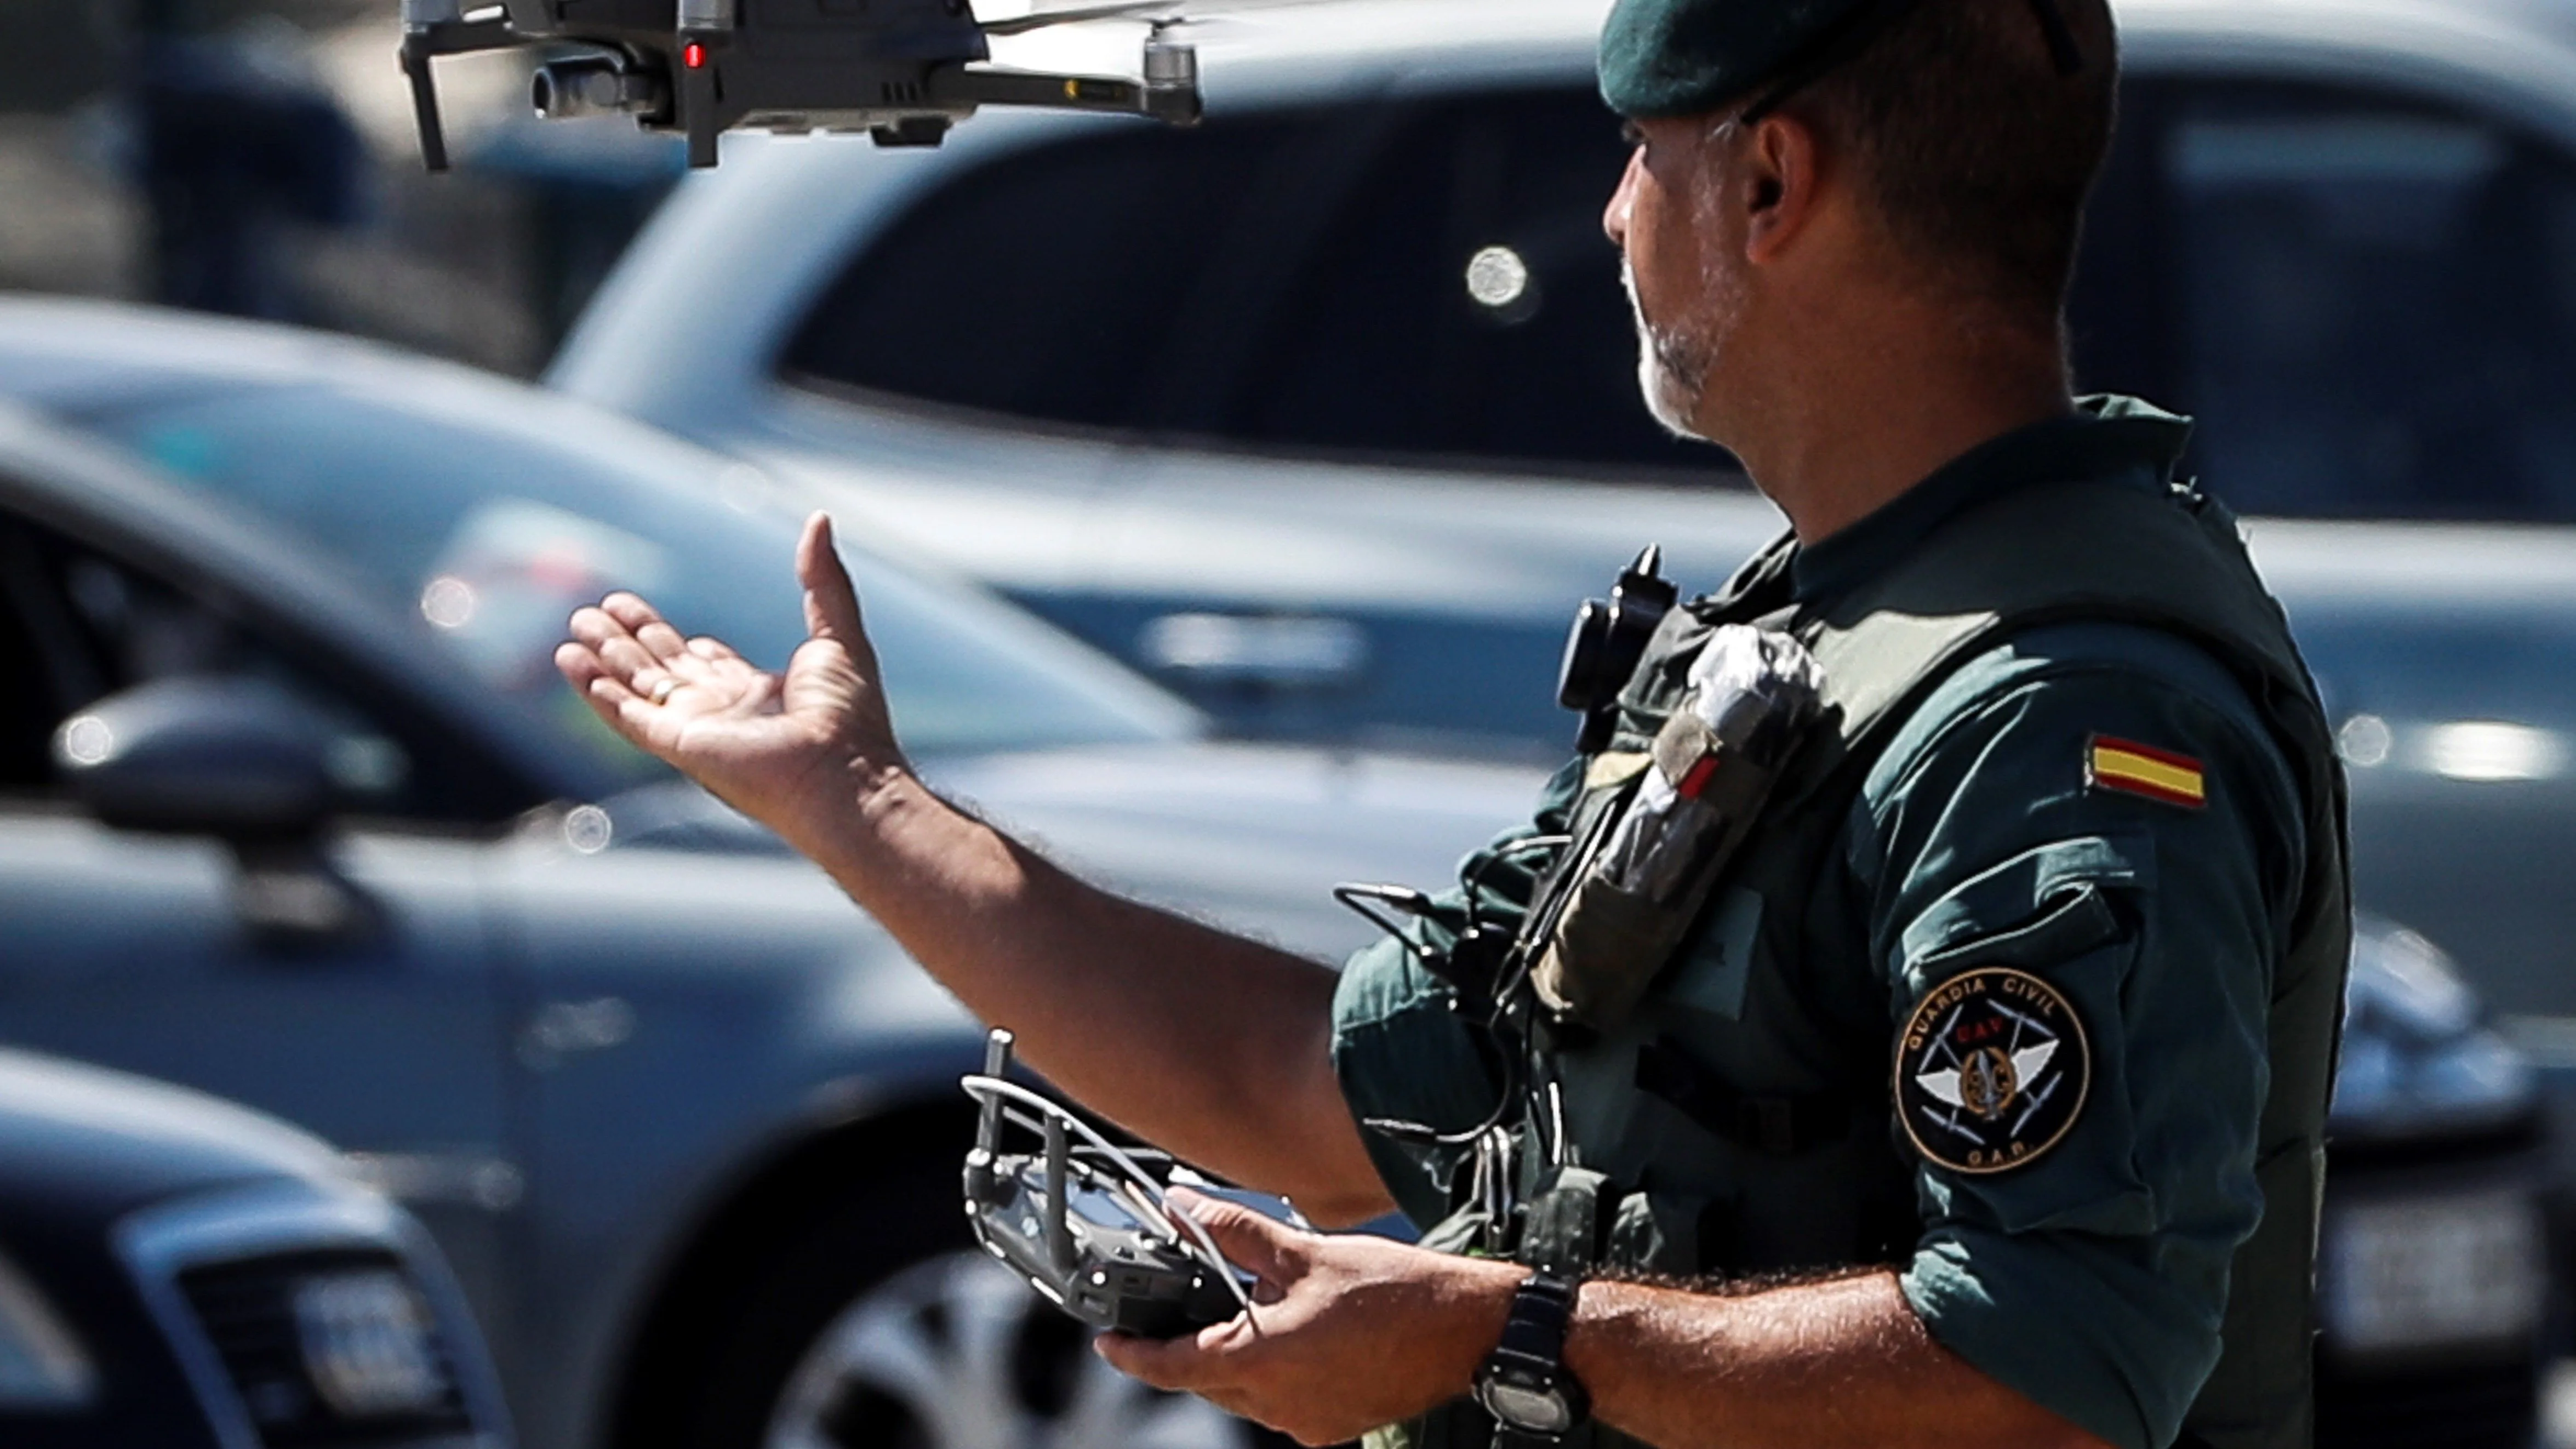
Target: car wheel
{"x": 957, "y": 1353}
{"x": 874, "y": 1323}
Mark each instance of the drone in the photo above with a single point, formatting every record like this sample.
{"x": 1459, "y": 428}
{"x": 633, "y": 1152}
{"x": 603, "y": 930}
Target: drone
{"x": 901, "y": 71}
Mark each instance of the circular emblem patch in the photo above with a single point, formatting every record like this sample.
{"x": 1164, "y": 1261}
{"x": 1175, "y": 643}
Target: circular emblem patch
{"x": 1991, "y": 1070}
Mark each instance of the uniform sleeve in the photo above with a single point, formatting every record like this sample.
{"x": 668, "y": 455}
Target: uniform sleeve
{"x": 2079, "y": 955}
{"x": 1399, "y": 1050}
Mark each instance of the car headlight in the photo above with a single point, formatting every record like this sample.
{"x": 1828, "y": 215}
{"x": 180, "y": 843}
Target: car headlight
{"x": 43, "y": 1368}
{"x": 2415, "y": 1057}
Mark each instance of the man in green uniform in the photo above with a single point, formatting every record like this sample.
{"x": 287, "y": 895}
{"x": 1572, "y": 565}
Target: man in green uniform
{"x": 1977, "y": 1096}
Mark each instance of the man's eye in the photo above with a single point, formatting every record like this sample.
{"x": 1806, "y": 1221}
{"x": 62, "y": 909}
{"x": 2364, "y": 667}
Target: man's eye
{"x": 1633, "y": 134}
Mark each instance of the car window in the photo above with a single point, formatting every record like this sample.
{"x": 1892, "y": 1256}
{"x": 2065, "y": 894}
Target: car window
{"x": 2376, "y": 304}
{"x": 1422, "y": 278}
{"x": 40, "y": 653}
{"x": 493, "y": 524}
{"x": 1464, "y": 302}
{"x": 1045, "y": 284}
{"x": 80, "y": 625}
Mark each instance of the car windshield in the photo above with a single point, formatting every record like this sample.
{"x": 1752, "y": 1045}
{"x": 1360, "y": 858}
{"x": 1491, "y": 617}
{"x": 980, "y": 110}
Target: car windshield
{"x": 493, "y": 522}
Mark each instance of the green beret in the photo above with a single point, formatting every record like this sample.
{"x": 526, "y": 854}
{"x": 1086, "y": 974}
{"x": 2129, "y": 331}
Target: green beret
{"x": 1686, "y": 57}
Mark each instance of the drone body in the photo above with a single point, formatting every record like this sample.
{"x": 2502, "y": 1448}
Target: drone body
{"x": 903, "y": 71}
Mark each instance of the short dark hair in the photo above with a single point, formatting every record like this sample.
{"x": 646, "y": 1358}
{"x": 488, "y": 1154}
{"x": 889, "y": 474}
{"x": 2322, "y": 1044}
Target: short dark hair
{"x": 1977, "y": 149}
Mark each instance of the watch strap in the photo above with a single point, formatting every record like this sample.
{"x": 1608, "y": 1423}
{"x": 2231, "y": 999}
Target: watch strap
{"x": 1533, "y": 1350}
{"x": 1541, "y": 1308}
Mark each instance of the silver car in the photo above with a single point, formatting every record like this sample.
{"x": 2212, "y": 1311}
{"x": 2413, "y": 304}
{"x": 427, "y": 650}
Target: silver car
{"x": 1326, "y": 413}
{"x": 334, "y": 841}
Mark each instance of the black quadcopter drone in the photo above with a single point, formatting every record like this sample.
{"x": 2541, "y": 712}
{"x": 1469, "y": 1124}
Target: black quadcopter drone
{"x": 902, "y": 71}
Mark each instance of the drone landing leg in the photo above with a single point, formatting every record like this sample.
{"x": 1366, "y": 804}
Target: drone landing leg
{"x": 698, "y": 97}
{"x": 424, "y": 105}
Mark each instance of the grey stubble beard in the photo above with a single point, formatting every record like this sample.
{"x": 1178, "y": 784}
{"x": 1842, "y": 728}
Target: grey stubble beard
{"x": 1671, "y": 371}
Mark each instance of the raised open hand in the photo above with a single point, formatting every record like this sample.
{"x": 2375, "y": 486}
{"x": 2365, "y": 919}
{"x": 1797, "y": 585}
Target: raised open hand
{"x": 773, "y": 747}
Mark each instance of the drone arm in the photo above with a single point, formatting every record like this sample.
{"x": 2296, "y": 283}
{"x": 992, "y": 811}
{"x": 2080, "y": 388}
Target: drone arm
{"x": 965, "y": 88}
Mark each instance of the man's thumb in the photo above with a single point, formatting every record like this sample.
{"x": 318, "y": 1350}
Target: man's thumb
{"x": 1258, "y": 1244}
{"x": 831, "y": 600}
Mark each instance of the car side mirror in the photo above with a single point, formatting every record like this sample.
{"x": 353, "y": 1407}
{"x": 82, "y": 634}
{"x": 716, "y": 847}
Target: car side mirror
{"x": 232, "y": 758}
{"x": 239, "y": 760}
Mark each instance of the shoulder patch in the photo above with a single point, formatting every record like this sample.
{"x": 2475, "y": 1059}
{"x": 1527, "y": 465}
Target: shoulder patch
{"x": 2136, "y": 769}
{"x": 1991, "y": 1070}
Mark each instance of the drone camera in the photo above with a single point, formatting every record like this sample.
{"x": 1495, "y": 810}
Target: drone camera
{"x": 597, "y": 86}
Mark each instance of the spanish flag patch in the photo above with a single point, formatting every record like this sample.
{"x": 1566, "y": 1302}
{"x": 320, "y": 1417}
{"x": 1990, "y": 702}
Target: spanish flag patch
{"x": 2125, "y": 765}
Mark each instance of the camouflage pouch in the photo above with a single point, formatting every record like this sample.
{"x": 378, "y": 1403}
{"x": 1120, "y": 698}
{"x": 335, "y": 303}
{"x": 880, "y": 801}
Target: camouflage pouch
{"x": 1754, "y": 695}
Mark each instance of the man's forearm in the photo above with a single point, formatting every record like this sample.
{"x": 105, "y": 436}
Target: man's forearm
{"x": 1838, "y": 1364}
{"x": 1210, "y": 1045}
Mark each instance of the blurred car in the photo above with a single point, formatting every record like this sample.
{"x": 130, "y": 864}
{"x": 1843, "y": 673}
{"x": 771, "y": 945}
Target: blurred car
{"x": 179, "y": 1273}
{"x": 2434, "y": 1290}
{"x": 336, "y": 842}
{"x": 1326, "y": 412}
{"x": 685, "y": 1120}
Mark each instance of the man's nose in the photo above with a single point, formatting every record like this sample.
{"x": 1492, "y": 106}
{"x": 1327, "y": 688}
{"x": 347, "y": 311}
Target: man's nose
{"x": 1614, "y": 218}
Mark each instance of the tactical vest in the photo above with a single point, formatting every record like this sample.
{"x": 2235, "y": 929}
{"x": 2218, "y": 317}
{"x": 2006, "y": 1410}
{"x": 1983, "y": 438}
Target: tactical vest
{"x": 1726, "y": 1126}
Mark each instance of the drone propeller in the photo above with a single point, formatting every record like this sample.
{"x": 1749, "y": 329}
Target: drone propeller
{"x": 1045, "y": 19}
{"x": 1168, "y": 12}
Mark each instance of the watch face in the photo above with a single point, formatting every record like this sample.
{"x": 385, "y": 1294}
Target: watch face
{"x": 1540, "y": 1411}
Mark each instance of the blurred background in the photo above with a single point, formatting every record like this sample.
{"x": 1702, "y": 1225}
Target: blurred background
{"x": 258, "y": 159}
{"x": 390, "y": 1057}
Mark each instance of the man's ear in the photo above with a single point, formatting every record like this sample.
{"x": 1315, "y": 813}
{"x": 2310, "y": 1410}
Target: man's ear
{"x": 1782, "y": 179}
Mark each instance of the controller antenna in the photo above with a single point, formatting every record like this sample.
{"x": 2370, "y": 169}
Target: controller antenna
{"x": 1059, "y": 1232}
{"x": 981, "y": 1185}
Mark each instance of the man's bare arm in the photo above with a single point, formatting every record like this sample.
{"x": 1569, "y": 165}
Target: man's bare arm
{"x": 1356, "y": 1332}
{"x": 1212, "y": 1046}
{"x": 1824, "y": 1365}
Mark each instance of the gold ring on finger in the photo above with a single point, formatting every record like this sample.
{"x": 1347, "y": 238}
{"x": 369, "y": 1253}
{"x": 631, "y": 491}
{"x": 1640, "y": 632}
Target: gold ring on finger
{"x": 665, "y": 687}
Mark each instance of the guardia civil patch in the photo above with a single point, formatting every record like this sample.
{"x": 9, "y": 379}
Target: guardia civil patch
{"x": 1991, "y": 1070}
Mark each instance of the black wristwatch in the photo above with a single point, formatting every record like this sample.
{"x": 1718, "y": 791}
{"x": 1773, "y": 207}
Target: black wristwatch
{"x": 1524, "y": 1383}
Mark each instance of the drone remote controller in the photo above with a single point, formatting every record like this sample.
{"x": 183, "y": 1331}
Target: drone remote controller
{"x": 1083, "y": 1222}
{"x": 903, "y": 71}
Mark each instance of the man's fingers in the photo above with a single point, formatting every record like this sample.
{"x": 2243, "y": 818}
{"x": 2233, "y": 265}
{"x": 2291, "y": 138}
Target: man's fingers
{"x": 609, "y": 639}
{"x": 622, "y": 709}
{"x": 1177, "y": 1364}
{"x": 631, "y": 611}
{"x": 1271, "y": 1250}
{"x": 665, "y": 642}
{"x": 610, "y": 690}
{"x": 578, "y": 666}
{"x": 647, "y": 625}
{"x": 628, "y": 660}
{"x": 831, "y": 600}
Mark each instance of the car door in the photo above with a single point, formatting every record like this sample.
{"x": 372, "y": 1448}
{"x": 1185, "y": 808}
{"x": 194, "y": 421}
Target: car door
{"x": 135, "y": 951}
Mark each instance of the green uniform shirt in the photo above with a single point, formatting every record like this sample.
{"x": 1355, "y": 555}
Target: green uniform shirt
{"x": 2093, "y": 1278}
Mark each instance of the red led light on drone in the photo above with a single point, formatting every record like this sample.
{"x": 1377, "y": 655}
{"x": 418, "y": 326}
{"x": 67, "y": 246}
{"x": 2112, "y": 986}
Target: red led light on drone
{"x": 694, "y": 56}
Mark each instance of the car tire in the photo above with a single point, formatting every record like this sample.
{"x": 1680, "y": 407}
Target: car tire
{"x": 876, "y": 1324}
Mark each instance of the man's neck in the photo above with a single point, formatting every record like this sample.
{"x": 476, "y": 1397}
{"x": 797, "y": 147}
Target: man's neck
{"x": 1845, "y": 430}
